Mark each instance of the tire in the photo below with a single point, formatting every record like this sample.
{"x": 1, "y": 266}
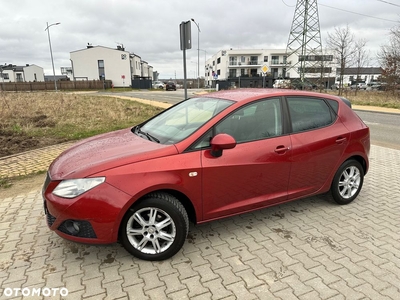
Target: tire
{"x": 156, "y": 239}
{"x": 348, "y": 181}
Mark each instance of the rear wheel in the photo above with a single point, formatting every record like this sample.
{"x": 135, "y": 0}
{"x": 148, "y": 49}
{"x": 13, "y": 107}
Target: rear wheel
{"x": 155, "y": 228}
{"x": 347, "y": 182}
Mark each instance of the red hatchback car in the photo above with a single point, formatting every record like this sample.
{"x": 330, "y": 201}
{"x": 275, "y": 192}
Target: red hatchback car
{"x": 205, "y": 158}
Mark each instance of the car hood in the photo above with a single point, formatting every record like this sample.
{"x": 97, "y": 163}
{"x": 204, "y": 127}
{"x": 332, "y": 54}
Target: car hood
{"x": 106, "y": 151}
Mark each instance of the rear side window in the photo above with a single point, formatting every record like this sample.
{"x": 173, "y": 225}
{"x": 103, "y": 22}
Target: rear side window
{"x": 335, "y": 105}
{"x": 309, "y": 113}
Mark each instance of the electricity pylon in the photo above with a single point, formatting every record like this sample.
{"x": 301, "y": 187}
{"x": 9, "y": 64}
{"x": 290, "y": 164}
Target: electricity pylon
{"x": 304, "y": 48}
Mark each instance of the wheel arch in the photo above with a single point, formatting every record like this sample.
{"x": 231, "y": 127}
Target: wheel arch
{"x": 182, "y": 198}
{"x": 361, "y": 160}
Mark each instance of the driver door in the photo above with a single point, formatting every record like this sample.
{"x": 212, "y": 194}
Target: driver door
{"x": 256, "y": 172}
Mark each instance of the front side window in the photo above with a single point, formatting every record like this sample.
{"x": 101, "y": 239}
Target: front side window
{"x": 256, "y": 121}
{"x": 179, "y": 122}
{"x": 309, "y": 113}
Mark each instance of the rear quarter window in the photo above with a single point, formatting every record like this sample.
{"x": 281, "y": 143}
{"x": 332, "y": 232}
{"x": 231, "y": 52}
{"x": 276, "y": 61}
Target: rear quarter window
{"x": 309, "y": 113}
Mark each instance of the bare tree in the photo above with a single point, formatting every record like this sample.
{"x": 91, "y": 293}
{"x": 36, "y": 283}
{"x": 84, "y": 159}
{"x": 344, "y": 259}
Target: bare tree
{"x": 389, "y": 58}
{"x": 324, "y": 69}
{"x": 361, "y": 57}
{"x": 341, "y": 42}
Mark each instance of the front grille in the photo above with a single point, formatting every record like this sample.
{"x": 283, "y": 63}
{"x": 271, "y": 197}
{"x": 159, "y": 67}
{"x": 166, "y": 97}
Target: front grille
{"x": 50, "y": 219}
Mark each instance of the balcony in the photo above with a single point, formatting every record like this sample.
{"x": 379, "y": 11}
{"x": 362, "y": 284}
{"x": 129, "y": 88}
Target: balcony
{"x": 280, "y": 63}
{"x": 235, "y": 64}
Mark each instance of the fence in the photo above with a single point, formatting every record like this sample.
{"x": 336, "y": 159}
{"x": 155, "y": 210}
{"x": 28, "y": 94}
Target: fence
{"x": 61, "y": 85}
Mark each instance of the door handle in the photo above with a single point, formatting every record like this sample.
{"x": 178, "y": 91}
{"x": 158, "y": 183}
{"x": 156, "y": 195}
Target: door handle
{"x": 340, "y": 140}
{"x": 281, "y": 149}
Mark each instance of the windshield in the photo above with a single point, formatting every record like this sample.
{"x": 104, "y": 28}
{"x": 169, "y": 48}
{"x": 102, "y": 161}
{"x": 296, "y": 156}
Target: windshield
{"x": 177, "y": 123}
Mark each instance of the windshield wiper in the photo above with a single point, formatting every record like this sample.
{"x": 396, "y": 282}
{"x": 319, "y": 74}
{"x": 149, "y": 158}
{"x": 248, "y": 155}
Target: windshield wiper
{"x": 146, "y": 134}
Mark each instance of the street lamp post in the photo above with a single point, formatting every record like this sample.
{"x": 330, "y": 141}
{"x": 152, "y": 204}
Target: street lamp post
{"x": 198, "y": 52}
{"x": 205, "y": 60}
{"x": 51, "y": 51}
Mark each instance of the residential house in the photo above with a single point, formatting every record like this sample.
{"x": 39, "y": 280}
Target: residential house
{"x": 27, "y": 73}
{"x": 360, "y": 75}
{"x": 115, "y": 64}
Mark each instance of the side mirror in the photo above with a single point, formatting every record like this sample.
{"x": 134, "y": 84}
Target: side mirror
{"x": 220, "y": 142}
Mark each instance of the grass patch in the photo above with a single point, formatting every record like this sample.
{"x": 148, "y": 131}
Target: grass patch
{"x": 5, "y": 183}
{"x": 33, "y": 120}
{"x": 372, "y": 98}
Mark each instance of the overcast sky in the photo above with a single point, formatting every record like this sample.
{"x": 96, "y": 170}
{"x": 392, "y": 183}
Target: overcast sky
{"x": 150, "y": 28}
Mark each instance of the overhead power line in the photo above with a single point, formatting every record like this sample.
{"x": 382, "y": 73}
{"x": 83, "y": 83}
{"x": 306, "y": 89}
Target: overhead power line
{"x": 389, "y": 3}
{"x": 364, "y": 15}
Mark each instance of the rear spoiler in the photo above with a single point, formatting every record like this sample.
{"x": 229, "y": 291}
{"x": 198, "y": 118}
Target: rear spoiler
{"x": 348, "y": 103}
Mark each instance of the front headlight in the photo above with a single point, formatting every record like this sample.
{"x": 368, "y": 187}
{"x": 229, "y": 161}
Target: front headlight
{"x": 72, "y": 188}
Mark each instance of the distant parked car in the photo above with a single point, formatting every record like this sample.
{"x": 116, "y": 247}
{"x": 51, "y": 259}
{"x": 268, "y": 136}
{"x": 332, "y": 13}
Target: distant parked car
{"x": 170, "y": 86}
{"x": 362, "y": 86}
{"x": 158, "y": 85}
{"x": 334, "y": 86}
{"x": 207, "y": 157}
{"x": 359, "y": 86}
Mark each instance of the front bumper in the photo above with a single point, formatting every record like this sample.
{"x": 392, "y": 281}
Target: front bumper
{"x": 92, "y": 217}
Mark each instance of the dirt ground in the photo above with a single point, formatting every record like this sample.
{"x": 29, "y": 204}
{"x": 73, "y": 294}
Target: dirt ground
{"x": 13, "y": 143}
{"x": 26, "y": 184}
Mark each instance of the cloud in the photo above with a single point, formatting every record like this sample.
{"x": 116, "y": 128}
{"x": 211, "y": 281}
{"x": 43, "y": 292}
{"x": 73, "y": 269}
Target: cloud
{"x": 150, "y": 28}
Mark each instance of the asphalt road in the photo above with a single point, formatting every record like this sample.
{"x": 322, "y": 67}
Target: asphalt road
{"x": 384, "y": 127}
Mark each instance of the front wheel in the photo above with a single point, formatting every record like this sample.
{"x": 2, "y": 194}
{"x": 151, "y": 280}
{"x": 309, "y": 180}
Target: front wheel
{"x": 155, "y": 228}
{"x": 347, "y": 182}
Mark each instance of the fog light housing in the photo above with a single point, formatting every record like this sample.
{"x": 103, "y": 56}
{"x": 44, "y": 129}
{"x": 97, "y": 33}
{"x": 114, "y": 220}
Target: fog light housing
{"x": 77, "y": 228}
{"x": 72, "y": 227}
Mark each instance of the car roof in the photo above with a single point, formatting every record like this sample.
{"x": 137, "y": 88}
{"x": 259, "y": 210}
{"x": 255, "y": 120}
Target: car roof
{"x": 245, "y": 94}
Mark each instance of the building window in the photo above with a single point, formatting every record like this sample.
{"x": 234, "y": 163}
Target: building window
{"x": 265, "y": 58}
{"x": 243, "y": 59}
{"x": 218, "y": 72}
{"x": 218, "y": 60}
{"x": 242, "y": 72}
{"x": 275, "y": 59}
{"x": 5, "y": 76}
{"x": 19, "y": 77}
{"x": 253, "y": 60}
{"x": 232, "y": 73}
{"x": 34, "y": 75}
{"x": 100, "y": 64}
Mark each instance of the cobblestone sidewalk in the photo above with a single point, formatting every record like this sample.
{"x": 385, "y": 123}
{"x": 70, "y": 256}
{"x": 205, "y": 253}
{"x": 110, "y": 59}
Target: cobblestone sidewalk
{"x": 307, "y": 249}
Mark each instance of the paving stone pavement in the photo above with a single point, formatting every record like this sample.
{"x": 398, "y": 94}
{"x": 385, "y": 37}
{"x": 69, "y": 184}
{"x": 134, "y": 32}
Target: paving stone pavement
{"x": 31, "y": 161}
{"x": 306, "y": 249}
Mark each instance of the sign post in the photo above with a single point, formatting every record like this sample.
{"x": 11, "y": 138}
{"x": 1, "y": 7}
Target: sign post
{"x": 186, "y": 43}
{"x": 264, "y": 70}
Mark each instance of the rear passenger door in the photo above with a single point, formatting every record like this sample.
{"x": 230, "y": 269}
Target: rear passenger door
{"x": 318, "y": 141}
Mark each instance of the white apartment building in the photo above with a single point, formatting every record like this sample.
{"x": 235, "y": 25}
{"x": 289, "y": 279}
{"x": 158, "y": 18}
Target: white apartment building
{"x": 248, "y": 64}
{"x": 27, "y": 73}
{"x": 117, "y": 65}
